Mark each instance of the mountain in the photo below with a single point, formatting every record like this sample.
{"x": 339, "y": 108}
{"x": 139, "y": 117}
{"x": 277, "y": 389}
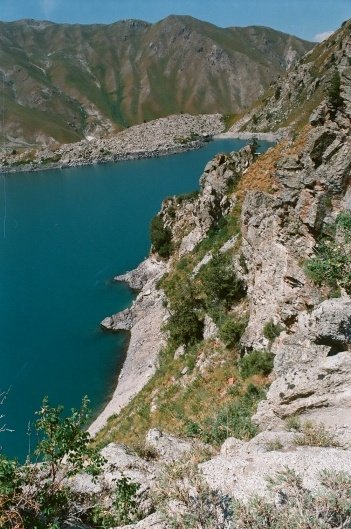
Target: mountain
{"x": 241, "y": 333}
{"x": 291, "y": 99}
{"x": 61, "y": 83}
{"x": 233, "y": 407}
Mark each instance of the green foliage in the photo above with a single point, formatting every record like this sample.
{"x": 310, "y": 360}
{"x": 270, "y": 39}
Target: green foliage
{"x": 256, "y": 363}
{"x": 233, "y": 420}
{"x": 273, "y": 445}
{"x": 331, "y": 264}
{"x": 187, "y": 197}
{"x": 9, "y": 477}
{"x": 334, "y": 94}
{"x": 185, "y": 324}
{"x": 35, "y": 495}
{"x": 124, "y": 509}
{"x": 343, "y": 221}
{"x": 63, "y": 438}
{"x": 161, "y": 237}
{"x": 231, "y": 331}
{"x": 293, "y": 423}
{"x": 271, "y": 330}
{"x": 220, "y": 282}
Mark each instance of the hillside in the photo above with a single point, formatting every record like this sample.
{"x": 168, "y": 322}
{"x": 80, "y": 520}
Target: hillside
{"x": 61, "y": 83}
{"x": 241, "y": 333}
{"x": 291, "y": 99}
{"x": 233, "y": 407}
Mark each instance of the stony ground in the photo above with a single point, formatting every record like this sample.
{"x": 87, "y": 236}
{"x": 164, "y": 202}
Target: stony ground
{"x": 159, "y": 137}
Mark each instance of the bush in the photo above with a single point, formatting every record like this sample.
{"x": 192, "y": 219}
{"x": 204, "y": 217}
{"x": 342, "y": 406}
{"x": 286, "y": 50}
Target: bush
{"x": 124, "y": 509}
{"x": 161, "y": 237}
{"x": 331, "y": 264}
{"x": 271, "y": 330}
{"x": 234, "y": 420}
{"x": 256, "y": 363}
{"x": 293, "y": 423}
{"x": 334, "y": 93}
{"x": 231, "y": 331}
{"x": 220, "y": 283}
{"x": 185, "y": 324}
{"x": 36, "y": 496}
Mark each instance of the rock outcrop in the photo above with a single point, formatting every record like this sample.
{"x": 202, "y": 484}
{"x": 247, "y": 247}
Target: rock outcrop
{"x": 286, "y": 201}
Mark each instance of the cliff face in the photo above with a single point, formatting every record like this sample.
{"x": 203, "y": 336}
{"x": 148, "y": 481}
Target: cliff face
{"x": 62, "y": 83}
{"x": 256, "y": 321}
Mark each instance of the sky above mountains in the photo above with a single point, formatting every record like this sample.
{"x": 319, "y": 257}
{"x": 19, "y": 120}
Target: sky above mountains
{"x": 309, "y": 19}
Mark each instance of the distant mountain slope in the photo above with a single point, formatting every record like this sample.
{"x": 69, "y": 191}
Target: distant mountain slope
{"x": 291, "y": 99}
{"x": 62, "y": 82}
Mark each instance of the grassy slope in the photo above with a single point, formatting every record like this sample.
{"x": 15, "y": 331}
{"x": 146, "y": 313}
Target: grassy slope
{"x": 131, "y": 71}
{"x": 202, "y": 402}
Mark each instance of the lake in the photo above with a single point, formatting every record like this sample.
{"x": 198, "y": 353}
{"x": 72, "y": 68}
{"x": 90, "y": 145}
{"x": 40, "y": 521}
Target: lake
{"x": 64, "y": 235}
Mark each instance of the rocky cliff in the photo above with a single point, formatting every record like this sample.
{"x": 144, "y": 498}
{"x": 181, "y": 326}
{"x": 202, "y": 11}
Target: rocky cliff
{"x": 255, "y": 283}
{"x": 61, "y": 83}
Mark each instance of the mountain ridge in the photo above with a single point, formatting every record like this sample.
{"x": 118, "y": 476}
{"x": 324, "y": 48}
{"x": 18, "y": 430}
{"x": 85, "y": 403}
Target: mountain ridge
{"x": 61, "y": 82}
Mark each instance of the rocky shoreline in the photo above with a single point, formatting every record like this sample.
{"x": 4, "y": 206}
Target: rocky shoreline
{"x": 160, "y": 137}
{"x": 143, "y": 320}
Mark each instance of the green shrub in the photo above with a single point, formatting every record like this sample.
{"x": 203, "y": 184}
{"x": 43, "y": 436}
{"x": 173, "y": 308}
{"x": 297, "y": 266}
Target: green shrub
{"x": 272, "y": 330}
{"x": 161, "y": 237}
{"x": 188, "y": 197}
{"x": 220, "y": 283}
{"x": 185, "y": 324}
{"x": 331, "y": 264}
{"x": 231, "y": 331}
{"x": 334, "y": 93}
{"x": 293, "y": 423}
{"x": 273, "y": 445}
{"x": 36, "y": 496}
{"x": 256, "y": 363}
{"x": 234, "y": 420}
{"x": 343, "y": 221}
{"x": 124, "y": 509}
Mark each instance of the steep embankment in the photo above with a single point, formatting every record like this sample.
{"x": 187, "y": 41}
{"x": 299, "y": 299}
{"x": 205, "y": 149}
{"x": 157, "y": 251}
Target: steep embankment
{"x": 290, "y": 100}
{"x": 61, "y": 83}
{"x": 255, "y": 315}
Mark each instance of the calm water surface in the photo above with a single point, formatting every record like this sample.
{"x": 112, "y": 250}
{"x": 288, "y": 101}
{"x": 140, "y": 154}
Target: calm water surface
{"x": 67, "y": 233}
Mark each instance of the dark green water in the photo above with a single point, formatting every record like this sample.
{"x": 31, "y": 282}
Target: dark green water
{"x": 67, "y": 233}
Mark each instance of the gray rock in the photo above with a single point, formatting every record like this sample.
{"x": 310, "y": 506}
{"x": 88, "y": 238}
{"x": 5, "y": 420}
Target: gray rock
{"x": 154, "y": 521}
{"x": 168, "y": 447}
{"x": 210, "y": 328}
{"x": 242, "y": 477}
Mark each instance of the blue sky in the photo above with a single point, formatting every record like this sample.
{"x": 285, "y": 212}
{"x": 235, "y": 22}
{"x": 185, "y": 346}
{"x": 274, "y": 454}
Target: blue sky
{"x": 304, "y": 18}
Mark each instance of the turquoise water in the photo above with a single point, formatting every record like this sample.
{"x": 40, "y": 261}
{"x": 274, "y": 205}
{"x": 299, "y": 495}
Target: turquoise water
{"x": 66, "y": 234}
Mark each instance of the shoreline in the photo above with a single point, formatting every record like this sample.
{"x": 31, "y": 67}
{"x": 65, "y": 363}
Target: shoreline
{"x": 123, "y": 157}
{"x": 161, "y": 137}
{"x": 142, "y": 321}
{"x": 264, "y": 136}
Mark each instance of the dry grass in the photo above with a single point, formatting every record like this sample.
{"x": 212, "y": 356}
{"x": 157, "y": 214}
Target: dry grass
{"x": 172, "y": 401}
{"x": 260, "y": 176}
